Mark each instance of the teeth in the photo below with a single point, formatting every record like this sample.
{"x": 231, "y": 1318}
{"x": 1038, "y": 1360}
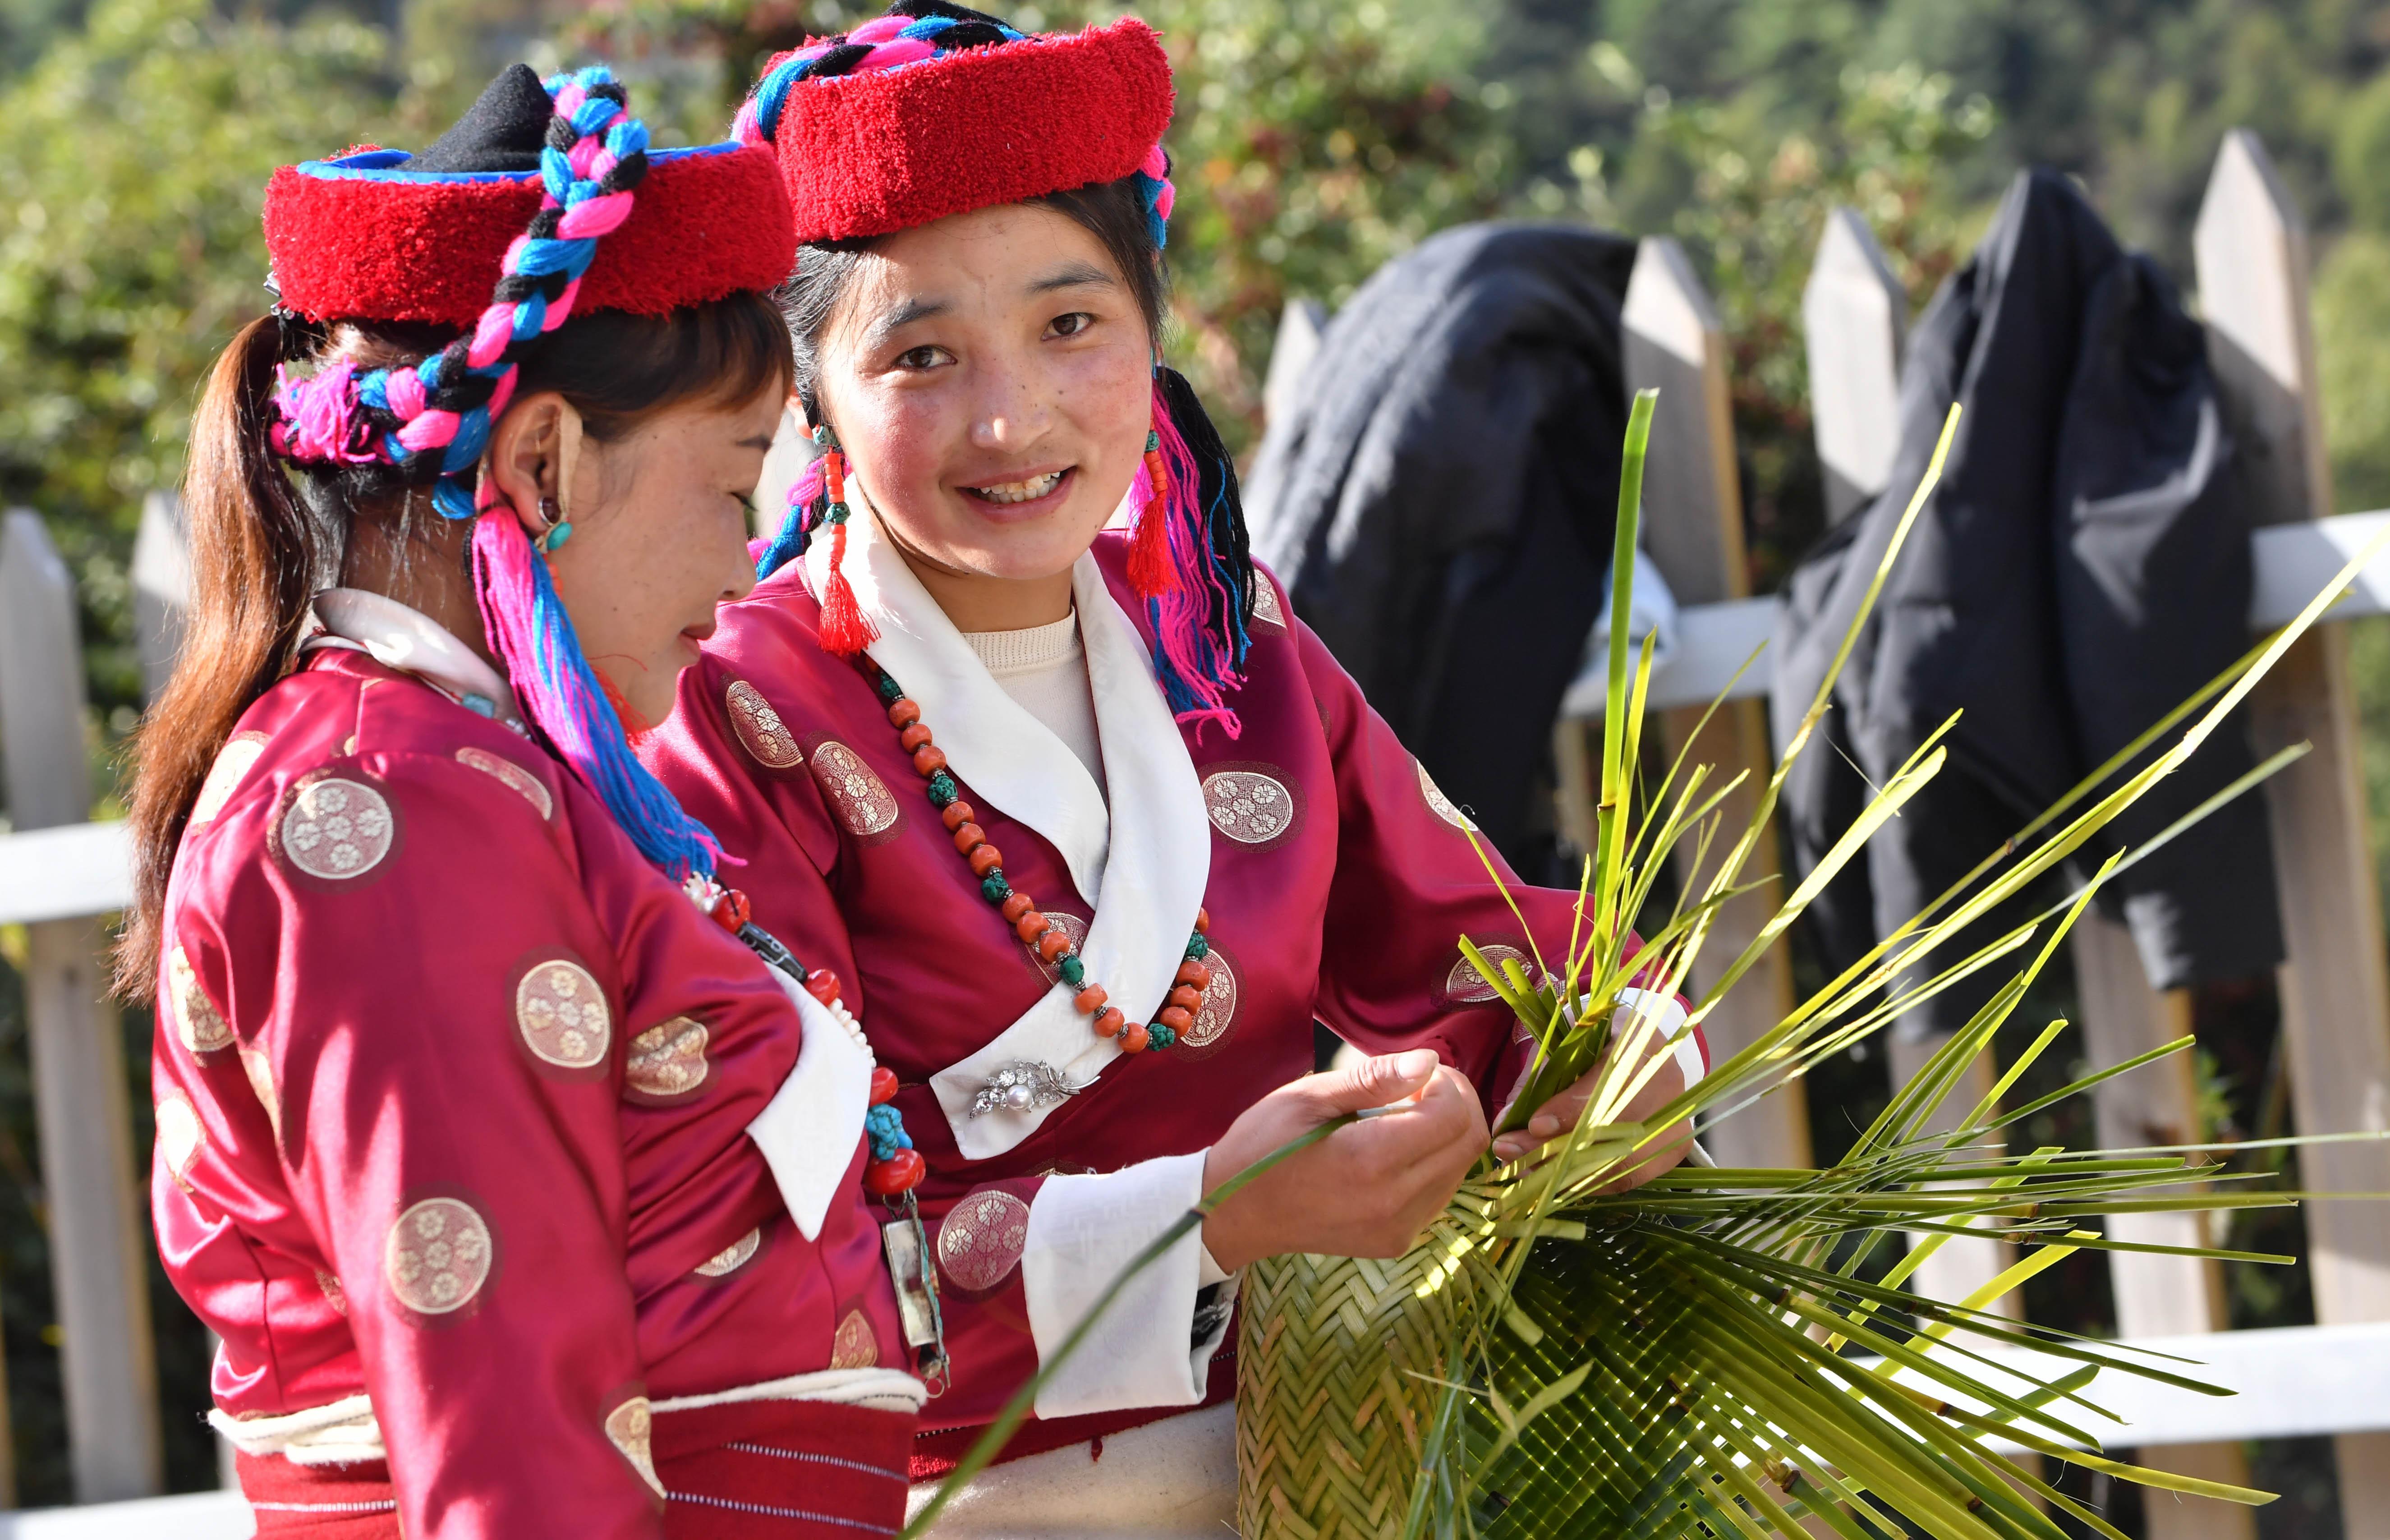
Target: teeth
{"x": 1018, "y": 491}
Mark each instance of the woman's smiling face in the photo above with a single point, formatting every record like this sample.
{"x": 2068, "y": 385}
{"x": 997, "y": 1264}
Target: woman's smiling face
{"x": 990, "y": 380}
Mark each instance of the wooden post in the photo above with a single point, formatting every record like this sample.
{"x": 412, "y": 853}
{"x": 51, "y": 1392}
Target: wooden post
{"x": 1854, "y": 316}
{"x": 1854, "y": 319}
{"x": 2156, "y": 1296}
{"x": 1692, "y": 529}
{"x": 1300, "y": 326}
{"x": 161, "y": 587}
{"x": 2252, "y": 253}
{"x": 97, "y": 1266}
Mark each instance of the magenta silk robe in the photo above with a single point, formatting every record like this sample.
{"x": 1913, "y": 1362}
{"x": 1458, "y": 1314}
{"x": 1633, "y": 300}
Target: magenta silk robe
{"x": 1338, "y": 880}
{"x": 452, "y": 1095}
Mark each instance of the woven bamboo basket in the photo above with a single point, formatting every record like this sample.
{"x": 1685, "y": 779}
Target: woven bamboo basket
{"x": 1336, "y": 1365}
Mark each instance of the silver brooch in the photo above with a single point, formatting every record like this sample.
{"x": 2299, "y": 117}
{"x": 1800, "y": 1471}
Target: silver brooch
{"x": 1021, "y": 1086}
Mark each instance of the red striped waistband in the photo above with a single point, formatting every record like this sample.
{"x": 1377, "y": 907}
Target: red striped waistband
{"x": 748, "y": 1471}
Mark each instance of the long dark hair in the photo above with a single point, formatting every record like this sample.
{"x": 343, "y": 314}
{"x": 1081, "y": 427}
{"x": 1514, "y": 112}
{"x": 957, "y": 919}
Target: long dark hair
{"x": 265, "y": 537}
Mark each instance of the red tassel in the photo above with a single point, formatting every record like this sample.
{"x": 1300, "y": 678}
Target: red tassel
{"x": 1150, "y": 571}
{"x": 845, "y": 629}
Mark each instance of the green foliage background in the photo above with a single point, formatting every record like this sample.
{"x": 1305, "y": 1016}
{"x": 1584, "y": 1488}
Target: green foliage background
{"x": 1314, "y": 139}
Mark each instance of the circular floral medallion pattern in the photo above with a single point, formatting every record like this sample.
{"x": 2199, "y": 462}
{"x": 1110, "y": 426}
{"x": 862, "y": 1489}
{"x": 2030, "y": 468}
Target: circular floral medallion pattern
{"x": 1218, "y": 1011}
{"x": 1266, "y": 608}
{"x": 980, "y": 1240}
{"x": 1465, "y": 985}
{"x": 563, "y": 1015}
{"x": 631, "y": 1426}
{"x": 336, "y": 829}
{"x": 233, "y": 762}
{"x": 197, "y": 1020}
{"x": 668, "y": 1059}
{"x": 855, "y": 1345}
{"x": 1247, "y": 806}
{"x": 179, "y": 1134}
{"x": 731, "y": 1258}
{"x": 515, "y": 776}
{"x": 760, "y": 730}
{"x": 861, "y": 798}
{"x": 1070, "y": 926}
{"x": 438, "y": 1256}
{"x": 1442, "y": 805}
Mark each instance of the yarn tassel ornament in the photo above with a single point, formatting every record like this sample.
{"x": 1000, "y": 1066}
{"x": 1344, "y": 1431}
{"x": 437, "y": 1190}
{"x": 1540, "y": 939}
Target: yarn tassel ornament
{"x": 770, "y": 552}
{"x": 1150, "y": 570}
{"x": 845, "y": 630}
{"x": 1200, "y": 615}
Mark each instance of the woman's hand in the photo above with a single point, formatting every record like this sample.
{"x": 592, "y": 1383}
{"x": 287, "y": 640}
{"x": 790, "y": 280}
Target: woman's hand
{"x": 1560, "y": 1114}
{"x": 1368, "y": 1190}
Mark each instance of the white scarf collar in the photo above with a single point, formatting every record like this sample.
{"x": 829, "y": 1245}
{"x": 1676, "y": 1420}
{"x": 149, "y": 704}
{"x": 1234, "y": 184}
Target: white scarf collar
{"x": 406, "y": 639}
{"x": 1142, "y": 867}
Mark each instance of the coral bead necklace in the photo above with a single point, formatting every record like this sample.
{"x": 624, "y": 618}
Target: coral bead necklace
{"x": 1020, "y": 912}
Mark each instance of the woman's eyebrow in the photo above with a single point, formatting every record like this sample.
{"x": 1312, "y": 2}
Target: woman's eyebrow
{"x": 900, "y": 317}
{"x": 1073, "y": 274}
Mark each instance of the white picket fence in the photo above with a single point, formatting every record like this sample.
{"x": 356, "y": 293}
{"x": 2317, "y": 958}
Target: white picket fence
{"x": 59, "y": 876}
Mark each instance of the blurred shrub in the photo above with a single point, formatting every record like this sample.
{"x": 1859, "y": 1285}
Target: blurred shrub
{"x": 129, "y": 252}
{"x": 1758, "y": 207}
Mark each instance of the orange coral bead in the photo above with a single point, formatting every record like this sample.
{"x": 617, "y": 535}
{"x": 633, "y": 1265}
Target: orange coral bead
{"x": 1194, "y": 975}
{"x": 913, "y": 737}
{"x": 1053, "y": 944}
{"x": 1016, "y": 904}
{"x": 901, "y": 1173}
{"x": 903, "y": 712}
{"x": 1186, "y": 998}
{"x": 1110, "y": 1023}
{"x": 1202, "y": 919}
{"x": 1091, "y": 999}
{"x": 822, "y": 985}
{"x": 1175, "y": 1019}
{"x": 969, "y": 838}
{"x": 1031, "y": 926}
{"x": 883, "y": 1085}
{"x": 928, "y": 759}
{"x": 1132, "y": 1038}
{"x": 984, "y": 858}
{"x": 957, "y": 814}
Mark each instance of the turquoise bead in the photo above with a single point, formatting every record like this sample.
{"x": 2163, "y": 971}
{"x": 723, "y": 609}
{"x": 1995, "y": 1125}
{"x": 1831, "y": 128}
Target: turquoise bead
{"x": 1198, "y": 948}
{"x": 993, "y": 888}
{"x": 890, "y": 690}
{"x": 1158, "y": 1037}
{"x": 943, "y": 790}
{"x": 1073, "y": 971}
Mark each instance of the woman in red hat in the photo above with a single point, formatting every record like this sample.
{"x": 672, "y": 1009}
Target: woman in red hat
{"x": 1092, "y": 825}
{"x": 525, "y": 1198}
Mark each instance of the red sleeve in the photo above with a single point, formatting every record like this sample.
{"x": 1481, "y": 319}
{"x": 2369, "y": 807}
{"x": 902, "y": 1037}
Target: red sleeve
{"x": 1410, "y": 883}
{"x": 431, "y": 1014}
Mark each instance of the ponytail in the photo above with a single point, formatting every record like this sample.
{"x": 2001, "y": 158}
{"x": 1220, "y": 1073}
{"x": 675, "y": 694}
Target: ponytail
{"x": 258, "y": 555}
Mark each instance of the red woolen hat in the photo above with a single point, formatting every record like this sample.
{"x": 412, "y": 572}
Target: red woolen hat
{"x": 384, "y": 235}
{"x": 933, "y": 110}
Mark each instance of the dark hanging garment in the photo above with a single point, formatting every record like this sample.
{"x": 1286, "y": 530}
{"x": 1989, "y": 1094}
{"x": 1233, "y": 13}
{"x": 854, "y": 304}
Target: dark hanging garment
{"x": 2082, "y": 568}
{"x": 1440, "y": 506}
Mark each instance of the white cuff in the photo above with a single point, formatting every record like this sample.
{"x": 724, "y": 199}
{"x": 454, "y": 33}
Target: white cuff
{"x": 1667, "y": 1015}
{"x": 1083, "y": 1231}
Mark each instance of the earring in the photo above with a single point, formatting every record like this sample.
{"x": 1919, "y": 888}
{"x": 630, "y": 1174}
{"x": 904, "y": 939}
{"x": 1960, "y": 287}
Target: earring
{"x": 845, "y": 630}
{"x": 557, "y": 531}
